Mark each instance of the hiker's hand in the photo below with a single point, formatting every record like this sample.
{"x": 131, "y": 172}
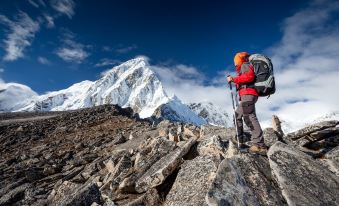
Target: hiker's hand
{"x": 230, "y": 79}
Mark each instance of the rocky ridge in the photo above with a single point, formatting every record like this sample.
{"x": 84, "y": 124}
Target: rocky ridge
{"x": 107, "y": 155}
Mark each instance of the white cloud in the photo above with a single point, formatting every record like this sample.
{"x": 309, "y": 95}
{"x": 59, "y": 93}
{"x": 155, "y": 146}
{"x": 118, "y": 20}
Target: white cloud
{"x": 33, "y": 3}
{"x": 127, "y": 49}
{"x": 43, "y": 60}
{"x": 49, "y": 21}
{"x": 107, "y": 62}
{"x": 72, "y": 51}
{"x": 37, "y": 3}
{"x": 65, "y": 7}
{"x": 188, "y": 84}
{"x": 2, "y": 70}
{"x": 19, "y": 36}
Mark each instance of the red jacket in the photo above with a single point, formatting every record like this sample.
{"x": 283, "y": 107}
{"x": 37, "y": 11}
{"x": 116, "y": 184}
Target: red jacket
{"x": 245, "y": 75}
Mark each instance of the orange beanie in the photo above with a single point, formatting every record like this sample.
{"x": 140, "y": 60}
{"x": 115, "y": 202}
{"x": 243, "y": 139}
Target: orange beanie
{"x": 240, "y": 58}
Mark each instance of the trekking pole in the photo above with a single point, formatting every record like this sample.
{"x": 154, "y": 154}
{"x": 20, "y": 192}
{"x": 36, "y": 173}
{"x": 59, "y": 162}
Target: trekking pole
{"x": 234, "y": 119}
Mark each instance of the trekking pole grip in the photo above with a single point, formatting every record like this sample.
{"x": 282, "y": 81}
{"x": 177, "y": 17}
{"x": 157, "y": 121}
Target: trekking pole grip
{"x": 230, "y": 83}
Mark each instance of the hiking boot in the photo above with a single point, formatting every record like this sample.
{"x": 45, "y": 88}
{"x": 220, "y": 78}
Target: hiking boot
{"x": 256, "y": 149}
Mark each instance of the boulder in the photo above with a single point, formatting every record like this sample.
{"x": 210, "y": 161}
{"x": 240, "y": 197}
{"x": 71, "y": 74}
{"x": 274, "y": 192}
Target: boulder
{"x": 229, "y": 187}
{"x": 193, "y": 181}
{"x": 163, "y": 168}
{"x": 244, "y": 180}
{"x": 303, "y": 180}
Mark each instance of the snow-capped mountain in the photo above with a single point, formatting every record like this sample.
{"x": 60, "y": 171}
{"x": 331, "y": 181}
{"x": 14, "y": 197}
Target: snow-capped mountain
{"x": 131, "y": 84}
{"x": 211, "y": 113}
{"x": 14, "y": 96}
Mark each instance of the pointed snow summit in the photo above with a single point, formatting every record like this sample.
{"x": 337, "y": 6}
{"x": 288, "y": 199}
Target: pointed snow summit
{"x": 131, "y": 84}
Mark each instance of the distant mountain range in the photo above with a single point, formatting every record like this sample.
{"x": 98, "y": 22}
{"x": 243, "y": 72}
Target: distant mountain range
{"x": 131, "y": 84}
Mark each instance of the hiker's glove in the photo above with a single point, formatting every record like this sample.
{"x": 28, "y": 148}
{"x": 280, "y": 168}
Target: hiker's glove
{"x": 230, "y": 79}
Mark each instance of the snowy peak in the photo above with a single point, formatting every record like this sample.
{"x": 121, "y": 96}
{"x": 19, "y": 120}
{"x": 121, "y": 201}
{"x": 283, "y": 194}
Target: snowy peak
{"x": 211, "y": 113}
{"x": 131, "y": 84}
{"x": 176, "y": 111}
{"x": 14, "y": 96}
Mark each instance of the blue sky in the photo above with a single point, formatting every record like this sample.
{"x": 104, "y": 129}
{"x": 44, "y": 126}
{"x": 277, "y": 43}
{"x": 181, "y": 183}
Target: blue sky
{"x": 51, "y": 44}
{"x": 203, "y": 34}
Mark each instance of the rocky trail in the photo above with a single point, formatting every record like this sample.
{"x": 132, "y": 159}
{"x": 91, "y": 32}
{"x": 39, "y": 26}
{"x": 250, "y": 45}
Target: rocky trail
{"x": 108, "y": 156}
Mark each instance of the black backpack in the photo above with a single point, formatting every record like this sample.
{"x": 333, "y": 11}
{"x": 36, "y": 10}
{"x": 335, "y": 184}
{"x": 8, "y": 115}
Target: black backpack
{"x": 264, "y": 78}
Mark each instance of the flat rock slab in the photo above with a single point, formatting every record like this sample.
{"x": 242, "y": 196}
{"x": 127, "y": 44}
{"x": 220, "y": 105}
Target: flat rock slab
{"x": 193, "y": 181}
{"x": 303, "y": 180}
{"x": 310, "y": 129}
{"x": 244, "y": 180}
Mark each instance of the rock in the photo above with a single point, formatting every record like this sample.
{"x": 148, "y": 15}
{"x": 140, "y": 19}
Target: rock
{"x": 119, "y": 173}
{"x": 209, "y": 130}
{"x": 311, "y": 129}
{"x": 172, "y": 135}
{"x": 314, "y": 137}
{"x": 109, "y": 165}
{"x": 333, "y": 153}
{"x": 244, "y": 180}
{"x": 270, "y": 136}
{"x": 212, "y": 146}
{"x": 163, "y": 168}
{"x": 303, "y": 180}
{"x": 109, "y": 202}
{"x": 72, "y": 173}
{"x": 163, "y": 128}
{"x": 322, "y": 134}
{"x": 193, "y": 181}
{"x": 119, "y": 139}
{"x": 324, "y": 144}
{"x": 48, "y": 170}
{"x": 276, "y": 125}
{"x": 70, "y": 193}
{"x": 229, "y": 187}
{"x": 153, "y": 152}
{"x": 191, "y": 131}
{"x": 14, "y": 195}
{"x": 151, "y": 197}
{"x": 331, "y": 164}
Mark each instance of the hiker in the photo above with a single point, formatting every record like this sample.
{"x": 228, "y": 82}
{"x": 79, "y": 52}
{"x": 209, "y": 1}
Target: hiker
{"x": 248, "y": 96}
